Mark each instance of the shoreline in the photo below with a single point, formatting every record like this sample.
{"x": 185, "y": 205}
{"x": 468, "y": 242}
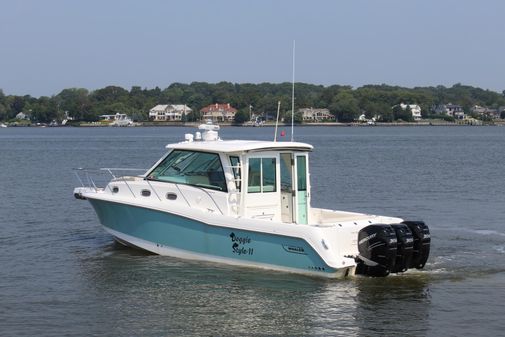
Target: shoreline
{"x": 326, "y": 124}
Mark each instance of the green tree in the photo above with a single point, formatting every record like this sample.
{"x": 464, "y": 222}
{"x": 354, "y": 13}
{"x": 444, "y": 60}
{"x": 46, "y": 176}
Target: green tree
{"x": 345, "y": 107}
{"x": 110, "y": 94}
{"x": 44, "y": 110}
{"x": 404, "y": 114}
{"x": 298, "y": 118}
{"x": 18, "y": 104}
{"x": 3, "y": 112}
{"x": 76, "y": 101}
{"x": 241, "y": 116}
{"x": 193, "y": 116}
{"x": 387, "y": 116}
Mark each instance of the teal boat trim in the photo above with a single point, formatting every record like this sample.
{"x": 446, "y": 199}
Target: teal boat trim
{"x": 245, "y": 247}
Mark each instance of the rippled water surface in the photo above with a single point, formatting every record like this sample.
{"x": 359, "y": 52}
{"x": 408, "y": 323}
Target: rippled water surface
{"x": 61, "y": 274}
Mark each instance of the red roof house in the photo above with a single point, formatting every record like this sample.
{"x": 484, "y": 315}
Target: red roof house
{"x": 219, "y": 112}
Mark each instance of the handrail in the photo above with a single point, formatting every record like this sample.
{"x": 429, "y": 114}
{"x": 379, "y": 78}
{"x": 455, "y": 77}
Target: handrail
{"x": 126, "y": 183}
{"x": 178, "y": 188}
{"x": 203, "y": 190}
{"x": 206, "y": 192}
{"x": 79, "y": 178}
{"x": 152, "y": 187}
{"x": 107, "y": 168}
{"x": 91, "y": 182}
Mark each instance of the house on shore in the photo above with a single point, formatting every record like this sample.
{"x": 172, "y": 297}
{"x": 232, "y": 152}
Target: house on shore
{"x": 22, "y": 116}
{"x": 414, "y": 108}
{"x": 315, "y": 115}
{"x": 169, "y": 112}
{"x": 219, "y": 112}
{"x": 485, "y": 111}
{"x": 453, "y": 110}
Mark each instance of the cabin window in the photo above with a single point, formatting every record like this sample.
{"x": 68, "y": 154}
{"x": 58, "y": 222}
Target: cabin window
{"x": 262, "y": 175}
{"x": 201, "y": 169}
{"x": 268, "y": 171}
{"x": 235, "y": 163}
{"x": 301, "y": 172}
{"x": 286, "y": 172}
{"x": 254, "y": 181}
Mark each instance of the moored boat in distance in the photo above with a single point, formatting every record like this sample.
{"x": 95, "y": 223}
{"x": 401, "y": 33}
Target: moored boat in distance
{"x": 248, "y": 203}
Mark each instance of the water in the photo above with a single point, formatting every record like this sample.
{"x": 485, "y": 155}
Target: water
{"x": 62, "y": 275}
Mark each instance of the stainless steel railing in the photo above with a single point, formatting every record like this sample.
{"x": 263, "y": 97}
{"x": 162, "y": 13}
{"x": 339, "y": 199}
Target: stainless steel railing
{"x": 95, "y": 177}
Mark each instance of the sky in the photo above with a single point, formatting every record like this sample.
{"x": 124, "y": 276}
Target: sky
{"x": 47, "y": 46}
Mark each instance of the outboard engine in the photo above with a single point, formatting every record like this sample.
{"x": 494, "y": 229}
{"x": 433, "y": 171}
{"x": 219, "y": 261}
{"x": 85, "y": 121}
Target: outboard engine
{"x": 422, "y": 240}
{"x": 377, "y": 245}
{"x": 405, "y": 248}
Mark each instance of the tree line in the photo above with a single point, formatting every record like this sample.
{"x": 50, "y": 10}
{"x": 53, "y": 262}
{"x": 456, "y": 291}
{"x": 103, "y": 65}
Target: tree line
{"x": 344, "y": 102}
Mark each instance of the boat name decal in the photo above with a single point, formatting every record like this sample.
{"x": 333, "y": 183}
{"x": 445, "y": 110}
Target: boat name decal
{"x": 238, "y": 245}
{"x": 240, "y": 239}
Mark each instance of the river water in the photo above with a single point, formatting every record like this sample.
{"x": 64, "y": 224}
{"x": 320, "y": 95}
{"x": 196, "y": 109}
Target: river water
{"x": 61, "y": 274}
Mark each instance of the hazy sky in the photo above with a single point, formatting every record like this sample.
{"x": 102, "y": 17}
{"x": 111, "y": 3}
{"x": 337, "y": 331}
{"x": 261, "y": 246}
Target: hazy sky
{"x": 46, "y": 46}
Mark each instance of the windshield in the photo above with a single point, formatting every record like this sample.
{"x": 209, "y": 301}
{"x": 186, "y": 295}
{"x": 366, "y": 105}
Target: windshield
{"x": 192, "y": 168}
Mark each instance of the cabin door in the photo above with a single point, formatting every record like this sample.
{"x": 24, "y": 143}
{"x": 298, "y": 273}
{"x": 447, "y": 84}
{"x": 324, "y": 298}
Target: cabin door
{"x": 287, "y": 195}
{"x": 301, "y": 189}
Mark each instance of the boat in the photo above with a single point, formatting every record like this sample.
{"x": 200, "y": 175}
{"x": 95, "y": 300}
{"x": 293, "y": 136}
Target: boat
{"x": 248, "y": 203}
{"x": 117, "y": 119}
{"x": 2, "y": 125}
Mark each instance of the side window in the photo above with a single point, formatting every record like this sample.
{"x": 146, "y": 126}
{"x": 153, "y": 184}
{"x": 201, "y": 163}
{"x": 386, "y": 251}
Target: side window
{"x": 286, "y": 172}
{"x": 262, "y": 175}
{"x": 191, "y": 168}
{"x": 235, "y": 163}
{"x": 254, "y": 181}
{"x": 301, "y": 173}
{"x": 268, "y": 167}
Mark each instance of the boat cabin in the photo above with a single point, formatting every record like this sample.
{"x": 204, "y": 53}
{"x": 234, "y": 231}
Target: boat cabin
{"x": 250, "y": 179}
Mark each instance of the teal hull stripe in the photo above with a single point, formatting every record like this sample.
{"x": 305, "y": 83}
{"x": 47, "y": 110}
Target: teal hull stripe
{"x": 174, "y": 231}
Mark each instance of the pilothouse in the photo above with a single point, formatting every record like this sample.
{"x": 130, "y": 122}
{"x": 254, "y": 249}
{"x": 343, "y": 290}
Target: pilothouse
{"x": 248, "y": 203}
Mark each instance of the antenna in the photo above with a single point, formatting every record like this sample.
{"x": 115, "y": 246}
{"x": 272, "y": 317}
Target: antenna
{"x": 277, "y": 121}
{"x": 293, "y": 94}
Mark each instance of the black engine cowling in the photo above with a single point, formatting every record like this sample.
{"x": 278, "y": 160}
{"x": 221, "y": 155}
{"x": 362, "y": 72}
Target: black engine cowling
{"x": 405, "y": 248}
{"x": 422, "y": 242}
{"x": 377, "y": 245}
{"x": 385, "y": 249}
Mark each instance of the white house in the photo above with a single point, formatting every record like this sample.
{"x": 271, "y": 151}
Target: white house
{"x": 22, "y": 115}
{"x": 414, "y": 108}
{"x": 169, "y": 112}
{"x": 315, "y": 115}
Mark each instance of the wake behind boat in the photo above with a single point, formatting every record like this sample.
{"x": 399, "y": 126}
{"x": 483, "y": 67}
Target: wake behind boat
{"x": 249, "y": 203}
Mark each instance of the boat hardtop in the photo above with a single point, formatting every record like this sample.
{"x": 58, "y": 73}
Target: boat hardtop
{"x": 248, "y": 202}
{"x": 230, "y": 146}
